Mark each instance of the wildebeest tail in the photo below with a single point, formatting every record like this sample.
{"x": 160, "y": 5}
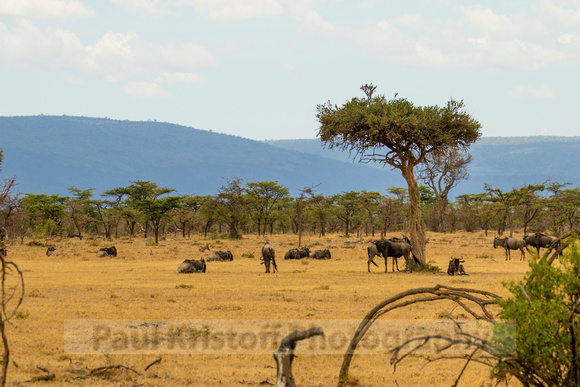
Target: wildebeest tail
{"x": 415, "y": 259}
{"x": 274, "y": 263}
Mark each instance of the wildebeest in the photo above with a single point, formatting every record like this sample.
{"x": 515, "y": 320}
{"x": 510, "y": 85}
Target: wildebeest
{"x": 394, "y": 248}
{"x": 539, "y": 240}
{"x": 509, "y": 243}
{"x": 51, "y": 251}
{"x": 107, "y": 252}
{"x": 268, "y": 255}
{"x": 221, "y": 256}
{"x": 455, "y": 267}
{"x": 192, "y": 266}
{"x": 321, "y": 254}
{"x": 3, "y": 252}
{"x": 203, "y": 248}
{"x": 300, "y": 253}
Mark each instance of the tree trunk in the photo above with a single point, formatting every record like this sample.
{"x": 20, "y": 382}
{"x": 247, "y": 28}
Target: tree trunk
{"x": 418, "y": 238}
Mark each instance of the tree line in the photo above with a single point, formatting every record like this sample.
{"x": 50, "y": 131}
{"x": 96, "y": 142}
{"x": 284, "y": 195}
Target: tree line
{"x": 266, "y": 207}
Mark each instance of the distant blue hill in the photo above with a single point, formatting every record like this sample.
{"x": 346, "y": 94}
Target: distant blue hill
{"x": 48, "y": 154}
{"x": 502, "y": 162}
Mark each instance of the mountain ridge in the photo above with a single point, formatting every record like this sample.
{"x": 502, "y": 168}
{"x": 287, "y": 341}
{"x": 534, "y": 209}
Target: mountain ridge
{"x": 48, "y": 154}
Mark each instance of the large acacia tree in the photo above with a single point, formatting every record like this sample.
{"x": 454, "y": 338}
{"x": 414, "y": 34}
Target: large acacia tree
{"x": 400, "y": 134}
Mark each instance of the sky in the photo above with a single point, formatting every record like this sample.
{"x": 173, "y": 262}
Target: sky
{"x": 258, "y": 69}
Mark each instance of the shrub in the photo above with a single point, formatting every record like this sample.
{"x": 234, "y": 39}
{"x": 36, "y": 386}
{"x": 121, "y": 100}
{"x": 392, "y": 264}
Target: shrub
{"x": 544, "y": 306}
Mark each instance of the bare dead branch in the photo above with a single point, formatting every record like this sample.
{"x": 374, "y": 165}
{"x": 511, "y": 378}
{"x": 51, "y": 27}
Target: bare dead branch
{"x": 153, "y": 363}
{"x": 99, "y": 370}
{"x": 285, "y": 355}
{"x": 40, "y": 378}
{"x": 461, "y": 296}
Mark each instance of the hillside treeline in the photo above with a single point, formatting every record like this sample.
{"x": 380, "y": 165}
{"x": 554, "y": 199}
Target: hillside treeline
{"x": 143, "y": 208}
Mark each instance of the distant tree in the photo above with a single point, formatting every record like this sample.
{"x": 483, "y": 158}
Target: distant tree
{"x": 442, "y": 170}
{"x": 48, "y": 209}
{"x": 369, "y": 202}
{"x": 209, "y": 212}
{"x": 262, "y": 198}
{"x": 321, "y": 207}
{"x": 144, "y": 199}
{"x": 186, "y": 212}
{"x": 231, "y": 196}
{"x": 155, "y": 209}
{"x": 80, "y": 208}
{"x": 564, "y": 204}
{"x": 347, "y": 206}
{"x": 306, "y": 195}
{"x": 400, "y": 134}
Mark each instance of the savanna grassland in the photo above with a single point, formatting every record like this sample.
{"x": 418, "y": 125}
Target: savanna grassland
{"x": 142, "y": 283}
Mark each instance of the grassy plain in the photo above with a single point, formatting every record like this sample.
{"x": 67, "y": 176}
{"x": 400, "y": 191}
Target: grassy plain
{"x": 143, "y": 283}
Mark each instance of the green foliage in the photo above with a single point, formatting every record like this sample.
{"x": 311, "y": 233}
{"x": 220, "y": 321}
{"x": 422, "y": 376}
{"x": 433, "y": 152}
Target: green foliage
{"x": 546, "y": 324}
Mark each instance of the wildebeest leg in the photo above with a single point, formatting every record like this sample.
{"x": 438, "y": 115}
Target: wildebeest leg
{"x": 386, "y": 264}
{"x": 523, "y": 257}
{"x": 371, "y": 260}
{"x": 395, "y": 262}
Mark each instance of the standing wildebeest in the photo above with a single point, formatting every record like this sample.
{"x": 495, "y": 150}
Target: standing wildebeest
{"x": 192, "y": 266}
{"x": 509, "y": 243}
{"x": 539, "y": 240}
{"x": 395, "y": 249}
{"x": 51, "y": 251}
{"x": 107, "y": 252}
{"x": 300, "y": 253}
{"x": 3, "y": 252}
{"x": 372, "y": 252}
{"x": 268, "y": 255}
{"x": 321, "y": 254}
{"x": 221, "y": 256}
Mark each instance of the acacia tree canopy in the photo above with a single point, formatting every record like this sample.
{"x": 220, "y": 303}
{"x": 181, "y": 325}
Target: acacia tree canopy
{"x": 398, "y": 133}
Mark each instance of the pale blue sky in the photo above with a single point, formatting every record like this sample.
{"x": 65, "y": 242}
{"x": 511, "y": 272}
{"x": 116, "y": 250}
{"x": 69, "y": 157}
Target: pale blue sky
{"x": 258, "y": 68}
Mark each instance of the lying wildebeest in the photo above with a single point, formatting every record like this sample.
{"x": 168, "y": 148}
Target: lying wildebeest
{"x": 300, "y": 253}
{"x": 221, "y": 256}
{"x": 321, "y": 254}
{"x": 268, "y": 254}
{"x": 455, "y": 267}
{"x": 51, "y": 251}
{"x": 3, "y": 252}
{"x": 107, "y": 252}
{"x": 539, "y": 240}
{"x": 509, "y": 243}
{"x": 192, "y": 266}
{"x": 394, "y": 248}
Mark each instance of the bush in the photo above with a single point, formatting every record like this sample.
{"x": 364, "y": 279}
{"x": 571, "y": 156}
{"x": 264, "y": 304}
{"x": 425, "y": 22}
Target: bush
{"x": 544, "y": 306}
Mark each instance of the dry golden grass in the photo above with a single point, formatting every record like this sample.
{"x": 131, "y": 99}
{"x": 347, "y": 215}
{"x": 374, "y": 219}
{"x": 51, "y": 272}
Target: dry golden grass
{"x": 142, "y": 283}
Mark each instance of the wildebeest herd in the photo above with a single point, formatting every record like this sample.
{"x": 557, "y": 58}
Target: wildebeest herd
{"x": 394, "y": 247}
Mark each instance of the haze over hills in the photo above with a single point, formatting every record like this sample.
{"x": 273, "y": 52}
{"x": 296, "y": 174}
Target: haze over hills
{"x": 48, "y": 154}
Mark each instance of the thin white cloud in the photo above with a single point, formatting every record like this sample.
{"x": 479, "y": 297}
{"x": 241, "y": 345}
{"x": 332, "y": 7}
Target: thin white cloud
{"x": 115, "y": 57}
{"x": 58, "y": 9}
{"x": 179, "y": 77}
{"x": 230, "y": 10}
{"x": 542, "y": 92}
{"x": 153, "y": 7}
{"x": 479, "y": 39}
{"x": 304, "y": 11}
{"x": 563, "y": 12}
{"x": 54, "y": 49}
{"x": 145, "y": 90}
